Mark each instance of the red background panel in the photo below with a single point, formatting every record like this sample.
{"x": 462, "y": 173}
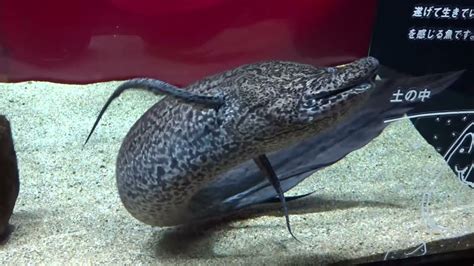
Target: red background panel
{"x": 82, "y": 41}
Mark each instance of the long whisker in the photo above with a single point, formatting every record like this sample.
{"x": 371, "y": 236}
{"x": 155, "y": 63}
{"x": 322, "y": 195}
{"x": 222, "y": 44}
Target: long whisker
{"x": 159, "y": 87}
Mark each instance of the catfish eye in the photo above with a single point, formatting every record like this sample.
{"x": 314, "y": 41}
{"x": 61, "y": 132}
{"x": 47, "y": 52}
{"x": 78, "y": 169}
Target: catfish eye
{"x": 309, "y": 101}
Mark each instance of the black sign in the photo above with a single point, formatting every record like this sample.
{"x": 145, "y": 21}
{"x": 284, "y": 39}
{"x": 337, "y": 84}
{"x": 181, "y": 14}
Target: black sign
{"x": 421, "y": 37}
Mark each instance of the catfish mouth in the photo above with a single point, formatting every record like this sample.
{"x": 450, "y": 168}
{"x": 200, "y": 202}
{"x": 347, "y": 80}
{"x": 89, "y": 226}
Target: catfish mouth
{"x": 356, "y": 86}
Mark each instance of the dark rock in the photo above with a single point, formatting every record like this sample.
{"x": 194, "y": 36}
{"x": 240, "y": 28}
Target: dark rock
{"x": 9, "y": 180}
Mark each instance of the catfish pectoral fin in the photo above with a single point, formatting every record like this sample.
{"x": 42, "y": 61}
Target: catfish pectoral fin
{"x": 267, "y": 170}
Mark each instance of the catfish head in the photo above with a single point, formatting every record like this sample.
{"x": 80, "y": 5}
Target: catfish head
{"x": 277, "y": 103}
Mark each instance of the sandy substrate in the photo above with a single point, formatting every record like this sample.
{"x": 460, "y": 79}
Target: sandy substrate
{"x": 69, "y": 211}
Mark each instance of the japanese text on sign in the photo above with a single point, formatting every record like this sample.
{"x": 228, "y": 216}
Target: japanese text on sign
{"x": 440, "y": 34}
{"x": 411, "y": 95}
{"x": 440, "y": 13}
{"x": 443, "y": 12}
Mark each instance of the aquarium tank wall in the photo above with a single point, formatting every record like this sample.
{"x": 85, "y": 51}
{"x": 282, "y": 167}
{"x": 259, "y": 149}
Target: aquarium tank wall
{"x": 224, "y": 132}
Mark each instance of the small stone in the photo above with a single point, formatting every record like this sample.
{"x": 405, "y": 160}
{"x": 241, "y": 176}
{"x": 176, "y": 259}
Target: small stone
{"x": 9, "y": 180}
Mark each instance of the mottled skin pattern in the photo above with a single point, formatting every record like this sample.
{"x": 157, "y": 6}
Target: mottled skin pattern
{"x": 176, "y": 148}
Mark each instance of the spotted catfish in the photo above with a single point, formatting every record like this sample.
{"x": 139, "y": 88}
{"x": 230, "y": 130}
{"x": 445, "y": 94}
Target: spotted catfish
{"x": 247, "y": 135}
